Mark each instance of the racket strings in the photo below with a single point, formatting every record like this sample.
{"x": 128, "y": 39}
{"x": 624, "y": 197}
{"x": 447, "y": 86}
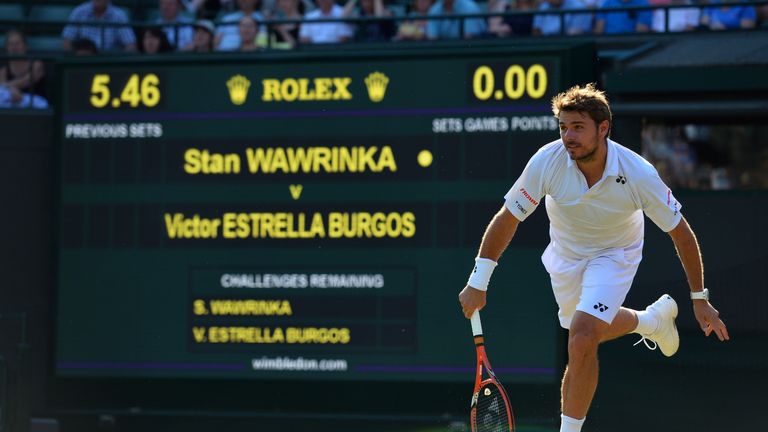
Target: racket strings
{"x": 491, "y": 412}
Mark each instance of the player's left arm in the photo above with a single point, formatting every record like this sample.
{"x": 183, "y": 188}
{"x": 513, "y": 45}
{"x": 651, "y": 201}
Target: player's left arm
{"x": 690, "y": 256}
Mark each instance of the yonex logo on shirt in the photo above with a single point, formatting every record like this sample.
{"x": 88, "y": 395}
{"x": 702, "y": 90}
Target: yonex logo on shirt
{"x": 621, "y": 179}
{"x": 601, "y": 307}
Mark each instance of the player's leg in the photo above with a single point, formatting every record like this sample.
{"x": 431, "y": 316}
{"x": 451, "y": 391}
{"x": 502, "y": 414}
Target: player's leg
{"x": 656, "y": 322}
{"x": 566, "y": 277}
{"x": 566, "y": 285}
{"x": 623, "y": 323}
{"x": 581, "y": 375}
{"x": 597, "y": 317}
{"x": 580, "y": 380}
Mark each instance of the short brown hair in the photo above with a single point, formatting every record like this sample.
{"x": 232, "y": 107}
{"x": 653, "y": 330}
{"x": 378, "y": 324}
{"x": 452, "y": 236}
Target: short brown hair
{"x": 587, "y": 99}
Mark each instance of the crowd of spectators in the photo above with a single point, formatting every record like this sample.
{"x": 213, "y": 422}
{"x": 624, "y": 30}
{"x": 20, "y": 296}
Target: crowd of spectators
{"x": 707, "y": 156}
{"x": 245, "y": 29}
{"x": 204, "y": 26}
{"x": 249, "y": 25}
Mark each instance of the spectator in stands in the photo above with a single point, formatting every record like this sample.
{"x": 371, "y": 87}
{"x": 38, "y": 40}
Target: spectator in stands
{"x": 180, "y": 37}
{"x": 203, "y": 39}
{"x": 372, "y": 31}
{"x": 248, "y": 31}
{"x": 515, "y": 24}
{"x": 82, "y": 47}
{"x": 154, "y": 41}
{"x": 549, "y": 24}
{"x": 581, "y": 23}
{"x": 680, "y": 19}
{"x": 618, "y": 22}
{"x": 452, "y": 28}
{"x": 496, "y": 25}
{"x": 288, "y": 33}
{"x": 416, "y": 27}
{"x": 330, "y": 32}
{"x": 20, "y": 73}
{"x": 105, "y": 37}
{"x": 228, "y": 32}
{"x": 11, "y": 97}
{"x": 727, "y": 17}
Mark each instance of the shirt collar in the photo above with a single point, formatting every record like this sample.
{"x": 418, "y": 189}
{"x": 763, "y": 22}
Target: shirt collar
{"x": 611, "y": 162}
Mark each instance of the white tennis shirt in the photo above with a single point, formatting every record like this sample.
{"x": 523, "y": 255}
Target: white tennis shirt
{"x": 586, "y": 221}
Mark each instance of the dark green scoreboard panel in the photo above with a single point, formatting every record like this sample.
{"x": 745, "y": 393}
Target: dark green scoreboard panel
{"x": 300, "y": 218}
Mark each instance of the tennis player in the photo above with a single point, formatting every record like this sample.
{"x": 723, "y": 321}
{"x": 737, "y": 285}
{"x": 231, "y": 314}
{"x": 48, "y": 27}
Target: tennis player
{"x": 596, "y": 194}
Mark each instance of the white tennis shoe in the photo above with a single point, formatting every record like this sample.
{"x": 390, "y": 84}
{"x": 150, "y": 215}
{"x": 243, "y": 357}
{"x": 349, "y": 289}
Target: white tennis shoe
{"x": 665, "y": 336}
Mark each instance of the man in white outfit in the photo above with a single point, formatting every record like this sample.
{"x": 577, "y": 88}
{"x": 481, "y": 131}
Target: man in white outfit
{"x": 596, "y": 194}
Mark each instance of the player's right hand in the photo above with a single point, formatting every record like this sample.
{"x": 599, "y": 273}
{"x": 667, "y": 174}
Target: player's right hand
{"x": 471, "y": 299}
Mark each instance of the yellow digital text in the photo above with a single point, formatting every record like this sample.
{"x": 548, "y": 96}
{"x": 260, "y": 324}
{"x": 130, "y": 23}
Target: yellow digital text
{"x": 304, "y": 89}
{"x": 272, "y": 335}
{"x": 227, "y": 307}
{"x": 285, "y": 225}
{"x": 292, "y": 160}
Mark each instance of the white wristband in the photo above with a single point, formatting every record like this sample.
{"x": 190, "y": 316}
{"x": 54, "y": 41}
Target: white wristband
{"x": 481, "y": 274}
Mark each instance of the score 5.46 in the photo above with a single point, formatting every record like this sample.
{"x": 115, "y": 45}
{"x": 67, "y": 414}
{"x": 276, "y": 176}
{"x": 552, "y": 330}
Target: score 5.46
{"x": 136, "y": 91}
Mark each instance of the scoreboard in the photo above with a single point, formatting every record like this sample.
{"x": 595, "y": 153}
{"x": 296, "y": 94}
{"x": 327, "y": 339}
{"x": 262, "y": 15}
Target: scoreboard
{"x": 300, "y": 216}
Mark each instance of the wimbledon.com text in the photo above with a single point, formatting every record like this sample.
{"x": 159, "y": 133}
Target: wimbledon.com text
{"x": 299, "y": 364}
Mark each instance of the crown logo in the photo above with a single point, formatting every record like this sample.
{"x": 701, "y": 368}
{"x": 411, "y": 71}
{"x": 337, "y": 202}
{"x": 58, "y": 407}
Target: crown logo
{"x": 238, "y": 87}
{"x": 376, "y": 83}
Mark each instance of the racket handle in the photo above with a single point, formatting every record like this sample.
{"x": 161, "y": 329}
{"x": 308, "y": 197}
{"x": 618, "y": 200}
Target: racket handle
{"x": 477, "y": 327}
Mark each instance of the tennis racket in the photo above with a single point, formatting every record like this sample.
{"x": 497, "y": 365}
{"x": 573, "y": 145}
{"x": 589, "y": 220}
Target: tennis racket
{"x": 491, "y": 411}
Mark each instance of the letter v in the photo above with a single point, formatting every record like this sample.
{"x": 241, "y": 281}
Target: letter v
{"x": 296, "y": 190}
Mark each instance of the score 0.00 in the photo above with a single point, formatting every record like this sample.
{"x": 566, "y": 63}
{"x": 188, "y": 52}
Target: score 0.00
{"x": 518, "y": 82}
{"x": 137, "y": 91}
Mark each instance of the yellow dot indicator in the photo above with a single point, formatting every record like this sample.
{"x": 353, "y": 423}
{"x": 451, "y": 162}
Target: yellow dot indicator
{"x": 115, "y": 102}
{"x": 499, "y": 95}
{"x": 424, "y": 158}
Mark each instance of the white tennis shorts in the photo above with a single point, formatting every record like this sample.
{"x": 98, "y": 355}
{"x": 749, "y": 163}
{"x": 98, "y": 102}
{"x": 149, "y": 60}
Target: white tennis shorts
{"x": 596, "y": 285}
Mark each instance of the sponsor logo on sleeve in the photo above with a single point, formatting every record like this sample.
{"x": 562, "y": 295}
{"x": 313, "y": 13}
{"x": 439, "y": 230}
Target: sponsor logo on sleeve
{"x": 672, "y": 202}
{"x": 528, "y": 196}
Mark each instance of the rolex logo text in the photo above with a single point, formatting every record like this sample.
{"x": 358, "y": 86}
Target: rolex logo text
{"x": 306, "y": 89}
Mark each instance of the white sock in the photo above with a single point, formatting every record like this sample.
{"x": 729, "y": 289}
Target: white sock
{"x": 569, "y": 424}
{"x": 646, "y": 323}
